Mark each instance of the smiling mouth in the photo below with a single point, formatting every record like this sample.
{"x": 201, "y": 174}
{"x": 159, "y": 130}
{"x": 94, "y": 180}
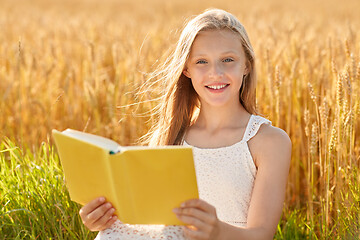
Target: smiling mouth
{"x": 217, "y": 87}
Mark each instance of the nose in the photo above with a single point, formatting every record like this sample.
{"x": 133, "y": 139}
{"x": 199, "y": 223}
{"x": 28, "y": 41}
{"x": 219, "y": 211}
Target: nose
{"x": 216, "y": 71}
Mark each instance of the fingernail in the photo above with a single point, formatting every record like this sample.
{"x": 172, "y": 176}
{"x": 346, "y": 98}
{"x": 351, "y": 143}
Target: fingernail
{"x": 102, "y": 199}
{"x": 175, "y": 210}
{"x": 108, "y": 205}
{"x": 112, "y": 210}
{"x": 182, "y": 205}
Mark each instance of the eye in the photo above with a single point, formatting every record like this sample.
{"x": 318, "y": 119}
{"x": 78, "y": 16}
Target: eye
{"x": 201, "y": 62}
{"x": 228, "y": 60}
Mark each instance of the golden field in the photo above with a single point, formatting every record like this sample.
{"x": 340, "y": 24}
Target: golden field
{"x": 79, "y": 64}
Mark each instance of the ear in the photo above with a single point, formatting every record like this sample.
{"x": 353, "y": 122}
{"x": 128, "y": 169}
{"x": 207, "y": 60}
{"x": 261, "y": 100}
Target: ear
{"x": 186, "y": 73}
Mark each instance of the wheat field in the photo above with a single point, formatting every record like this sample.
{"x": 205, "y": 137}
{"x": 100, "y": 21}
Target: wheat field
{"x": 79, "y": 64}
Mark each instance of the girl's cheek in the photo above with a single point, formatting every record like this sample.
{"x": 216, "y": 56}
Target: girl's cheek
{"x": 198, "y": 73}
{"x": 204, "y": 70}
{"x": 233, "y": 67}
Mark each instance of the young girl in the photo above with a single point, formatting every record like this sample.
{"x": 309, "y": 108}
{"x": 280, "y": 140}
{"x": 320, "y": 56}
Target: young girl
{"x": 241, "y": 161}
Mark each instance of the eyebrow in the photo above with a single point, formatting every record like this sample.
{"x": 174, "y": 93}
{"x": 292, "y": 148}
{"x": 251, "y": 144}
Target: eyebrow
{"x": 224, "y": 53}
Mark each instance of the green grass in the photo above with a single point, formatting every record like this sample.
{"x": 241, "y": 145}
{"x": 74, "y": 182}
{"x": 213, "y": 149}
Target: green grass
{"x": 35, "y": 203}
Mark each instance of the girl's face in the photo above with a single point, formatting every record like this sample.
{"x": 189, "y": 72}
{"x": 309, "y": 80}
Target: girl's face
{"x": 216, "y": 67}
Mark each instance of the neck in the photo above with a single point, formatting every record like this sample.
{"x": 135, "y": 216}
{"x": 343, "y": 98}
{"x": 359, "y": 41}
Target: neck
{"x": 213, "y": 118}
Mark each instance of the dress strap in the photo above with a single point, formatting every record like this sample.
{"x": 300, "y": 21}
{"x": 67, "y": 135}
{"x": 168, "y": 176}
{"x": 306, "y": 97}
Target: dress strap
{"x": 253, "y": 126}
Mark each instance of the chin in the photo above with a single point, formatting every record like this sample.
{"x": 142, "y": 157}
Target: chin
{"x": 218, "y": 103}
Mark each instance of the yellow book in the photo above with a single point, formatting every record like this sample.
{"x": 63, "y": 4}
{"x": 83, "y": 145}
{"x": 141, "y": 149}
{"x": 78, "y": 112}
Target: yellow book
{"x": 143, "y": 183}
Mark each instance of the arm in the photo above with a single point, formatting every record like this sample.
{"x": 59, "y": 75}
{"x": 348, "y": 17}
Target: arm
{"x": 272, "y": 152}
{"x": 273, "y": 162}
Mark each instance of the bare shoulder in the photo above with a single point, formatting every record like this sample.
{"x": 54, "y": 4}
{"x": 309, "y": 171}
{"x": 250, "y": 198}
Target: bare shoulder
{"x": 272, "y": 144}
{"x": 272, "y": 135}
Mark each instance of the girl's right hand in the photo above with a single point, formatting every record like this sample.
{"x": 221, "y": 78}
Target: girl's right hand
{"x": 97, "y": 215}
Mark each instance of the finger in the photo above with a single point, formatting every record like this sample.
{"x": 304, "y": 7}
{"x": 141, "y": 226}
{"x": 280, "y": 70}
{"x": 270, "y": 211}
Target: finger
{"x": 197, "y": 223}
{"x": 98, "y": 213}
{"x": 102, "y": 220}
{"x": 91, "y": 206}
{"x": 111, "y": 221}
{"x": 190, "y": 211}
{"x": 194, "y": 212}
{"x": 191, "y": 233}
{"x": 198, "y": 203}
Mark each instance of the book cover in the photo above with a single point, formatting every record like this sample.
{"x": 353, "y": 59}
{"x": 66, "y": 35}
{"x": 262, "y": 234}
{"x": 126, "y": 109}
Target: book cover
{"x": 143, "y": 183}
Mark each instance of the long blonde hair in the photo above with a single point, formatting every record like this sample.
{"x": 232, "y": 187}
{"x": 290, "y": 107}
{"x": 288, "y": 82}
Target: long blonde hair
{"x": 179, "y": 102}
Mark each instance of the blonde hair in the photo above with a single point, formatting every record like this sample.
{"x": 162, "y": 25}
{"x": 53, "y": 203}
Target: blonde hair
{"x": 176, "y": 110}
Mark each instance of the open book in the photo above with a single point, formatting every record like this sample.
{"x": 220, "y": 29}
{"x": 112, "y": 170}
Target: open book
{"x": 143, "y": 183}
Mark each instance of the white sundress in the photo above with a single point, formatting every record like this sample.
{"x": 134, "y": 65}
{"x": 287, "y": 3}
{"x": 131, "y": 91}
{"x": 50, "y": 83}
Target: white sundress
{"x": 225, "y": 178}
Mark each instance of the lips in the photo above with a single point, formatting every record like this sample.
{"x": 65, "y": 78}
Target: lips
{"x": 217, "y": 86}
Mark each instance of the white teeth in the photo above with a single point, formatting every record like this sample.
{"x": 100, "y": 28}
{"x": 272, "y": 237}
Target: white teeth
{"x": 217, "y": 86}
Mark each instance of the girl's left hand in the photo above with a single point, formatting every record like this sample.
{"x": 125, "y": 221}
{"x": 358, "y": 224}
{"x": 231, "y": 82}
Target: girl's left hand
{"x": 201, "y": 217}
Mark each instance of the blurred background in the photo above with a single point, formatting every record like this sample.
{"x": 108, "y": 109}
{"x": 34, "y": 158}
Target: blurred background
{"x": 78, "y": 64}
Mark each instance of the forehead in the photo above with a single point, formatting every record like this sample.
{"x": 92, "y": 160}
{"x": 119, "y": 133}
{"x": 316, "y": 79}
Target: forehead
{"x": 216, "y": 40}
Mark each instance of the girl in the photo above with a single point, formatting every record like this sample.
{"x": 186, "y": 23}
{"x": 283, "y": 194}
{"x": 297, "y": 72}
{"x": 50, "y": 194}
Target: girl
{"x": 241, "y": 161}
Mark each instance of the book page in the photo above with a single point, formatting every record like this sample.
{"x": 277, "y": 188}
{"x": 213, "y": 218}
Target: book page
{"x": 93, "y": 139}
